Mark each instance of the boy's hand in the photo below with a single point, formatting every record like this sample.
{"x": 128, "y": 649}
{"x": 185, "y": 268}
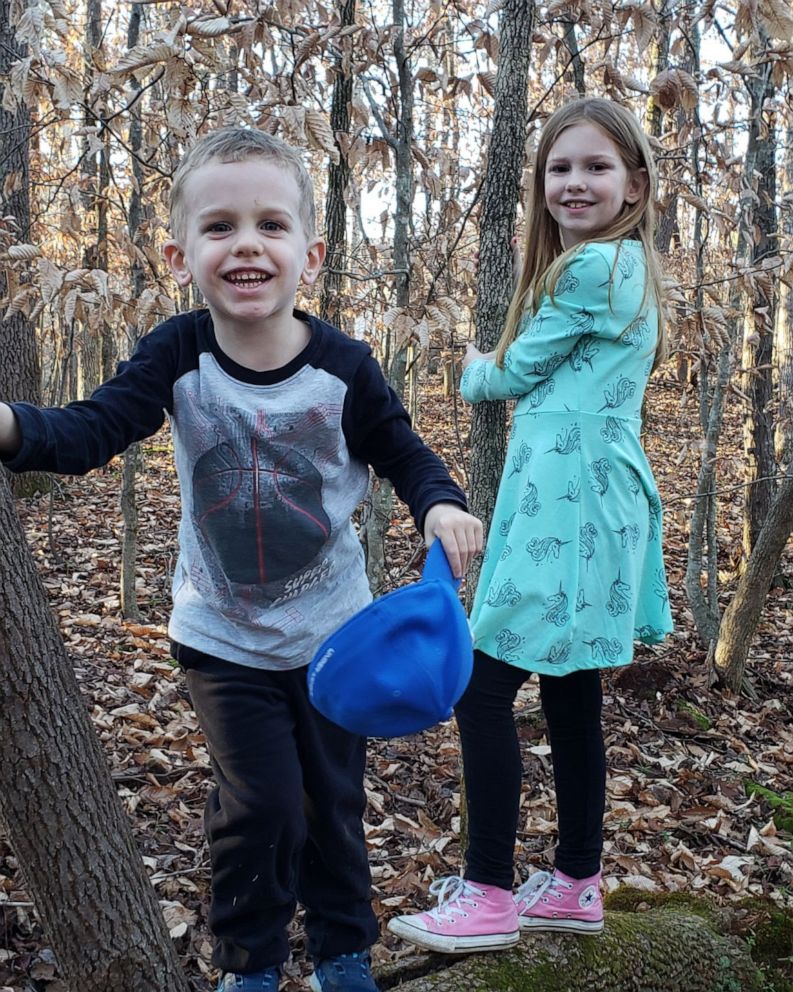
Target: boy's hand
{"x": 460, "y": 534}
{"x": 10, "y": 436}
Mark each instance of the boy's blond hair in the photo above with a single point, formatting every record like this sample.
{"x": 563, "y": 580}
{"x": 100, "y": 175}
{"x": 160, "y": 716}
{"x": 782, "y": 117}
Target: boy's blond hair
{"x": 544, "y": 254}
{"x": 237, "y": 144}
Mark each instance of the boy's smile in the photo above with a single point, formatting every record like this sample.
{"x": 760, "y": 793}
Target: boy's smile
{"x": 587, "y": 182}
{"x": 245, "y": 245}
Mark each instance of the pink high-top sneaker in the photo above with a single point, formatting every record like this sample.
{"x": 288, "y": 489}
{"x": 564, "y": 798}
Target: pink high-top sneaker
{"x": 468, "y": 917}
{"x": 558, "y": 902}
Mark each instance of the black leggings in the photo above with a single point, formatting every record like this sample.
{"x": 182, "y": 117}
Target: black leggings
{"x": 493, "y": 768}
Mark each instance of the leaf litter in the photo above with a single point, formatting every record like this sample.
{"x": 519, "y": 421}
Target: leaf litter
{"x": 682, "y": 753}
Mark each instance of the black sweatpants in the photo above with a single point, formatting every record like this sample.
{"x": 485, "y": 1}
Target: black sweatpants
{"x": 493, "y": 768}
{"x": 284, "y": 821}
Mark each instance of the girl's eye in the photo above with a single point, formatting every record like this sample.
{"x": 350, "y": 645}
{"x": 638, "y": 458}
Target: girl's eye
{"x": 557, "y": 168}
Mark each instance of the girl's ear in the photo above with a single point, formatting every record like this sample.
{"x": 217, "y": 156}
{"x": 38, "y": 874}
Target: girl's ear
{"x": 315, "y": 257}
{"x": 637, "y": 186}
{"x": 174, "y": 255}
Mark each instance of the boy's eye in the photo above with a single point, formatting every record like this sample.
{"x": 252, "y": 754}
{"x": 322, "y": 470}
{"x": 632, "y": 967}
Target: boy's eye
{"x": 271, "y": 225}
{"x": 218, "y": 227}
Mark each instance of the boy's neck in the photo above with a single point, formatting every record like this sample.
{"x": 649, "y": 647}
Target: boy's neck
{"x": 263, "y": 349}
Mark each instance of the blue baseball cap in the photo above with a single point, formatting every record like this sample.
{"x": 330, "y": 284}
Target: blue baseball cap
{"x": 399, "y": 665}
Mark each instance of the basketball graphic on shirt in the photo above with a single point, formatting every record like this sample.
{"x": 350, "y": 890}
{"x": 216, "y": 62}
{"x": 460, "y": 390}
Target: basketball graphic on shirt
{"x": 259, "y": 506}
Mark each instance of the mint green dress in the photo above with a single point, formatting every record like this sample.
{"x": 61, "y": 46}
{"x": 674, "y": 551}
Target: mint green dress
{"x": 573, "y": 570}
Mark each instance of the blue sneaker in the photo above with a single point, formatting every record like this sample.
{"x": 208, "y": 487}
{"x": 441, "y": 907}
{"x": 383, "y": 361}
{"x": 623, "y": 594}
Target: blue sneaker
{"x": 257, "y": 981}
{"x": 346, "y": 973}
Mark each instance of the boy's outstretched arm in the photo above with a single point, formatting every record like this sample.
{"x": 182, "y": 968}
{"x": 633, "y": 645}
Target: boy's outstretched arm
{"x": 10, "y": 436}
{"x": 459, "y": 533}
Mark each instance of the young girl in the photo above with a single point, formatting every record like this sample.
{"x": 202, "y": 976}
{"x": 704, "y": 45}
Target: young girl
{"x": 573, "y": 570}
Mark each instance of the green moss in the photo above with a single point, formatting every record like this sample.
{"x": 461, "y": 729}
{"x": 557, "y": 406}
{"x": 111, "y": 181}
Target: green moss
{"x": 768, "y": 932}
{"x": 696, "y": 714}
{"x": 630, "y": 900}
{"x": 781, "y": 803}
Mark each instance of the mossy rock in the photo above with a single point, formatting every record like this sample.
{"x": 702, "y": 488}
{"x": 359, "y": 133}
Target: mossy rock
{"x": 665, "y": 949}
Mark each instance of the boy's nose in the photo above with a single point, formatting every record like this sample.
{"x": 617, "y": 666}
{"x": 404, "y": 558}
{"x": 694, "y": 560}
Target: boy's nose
{"x": 247, "y": 243}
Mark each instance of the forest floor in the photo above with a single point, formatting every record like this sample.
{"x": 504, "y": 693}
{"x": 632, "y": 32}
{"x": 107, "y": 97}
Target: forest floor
{"x": 682, "y": 753}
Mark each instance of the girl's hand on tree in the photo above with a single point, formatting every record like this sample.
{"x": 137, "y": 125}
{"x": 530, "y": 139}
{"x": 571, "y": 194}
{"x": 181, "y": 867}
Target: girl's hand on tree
{"x": 10, "y": 436}
{"x": 460, "y": 534}
{"x": 473, "y": 354}
{"x": 517, "y": 260}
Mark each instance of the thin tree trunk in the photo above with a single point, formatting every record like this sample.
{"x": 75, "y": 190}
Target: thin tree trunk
{"x": 19, "y": 361}
{"x": 741, "y": 617}
{"x": 571, "y": 44}
{"x": 714, "y": 376}
{"x": 783, "y": 345}
{"x": 132, "y": 456}
{"x": 396, "y": 365}
{"x": 759, "y": 326}
{"x": 500, "y": 196}
{"x": 338, "y": 179}
{"x": 58, "y": 805}
{"x": 93, "y": 180}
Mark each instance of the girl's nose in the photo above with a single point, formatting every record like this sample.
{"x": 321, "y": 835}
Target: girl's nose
{"x": 576, "y": 182}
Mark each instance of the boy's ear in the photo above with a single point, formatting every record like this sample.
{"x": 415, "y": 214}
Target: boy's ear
{"x": 315, "y": 258}
{"x": 174, "y": 255}
{"x": 637, "y": 186}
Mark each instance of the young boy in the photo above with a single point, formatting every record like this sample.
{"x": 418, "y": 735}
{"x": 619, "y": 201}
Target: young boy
{"x": 275, "y": 418}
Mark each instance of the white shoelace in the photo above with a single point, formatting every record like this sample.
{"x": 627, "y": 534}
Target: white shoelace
{"x": 539, "y": 884}
{"x": 455, "y": 896}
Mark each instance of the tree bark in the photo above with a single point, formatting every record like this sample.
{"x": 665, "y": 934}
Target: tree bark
{"x": 758, "y": 333}
{"x": 132, "y": 456}
{"x": 741, "y": 617}
{"x": 783, "y": 345}
{"x": 58, "y": 805}
{"x": 500, "y": 196}
{"x": 396, "y": 365}
{"x": 338, "y": 179}
{"x": 656, "y": 951}
{"x": 19, "y": 362}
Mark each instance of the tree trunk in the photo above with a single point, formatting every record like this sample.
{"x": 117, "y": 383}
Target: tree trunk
{"x": 758, "y": 335}
{"x": 338, "y": 179}
{"x": 94, "y": 351}
{"x": 132, "y": 456}
{"x": 571, "y": 44}
{"x": 500, "y": 196}
{"x": 655, "y": 951}
{"x": 396, "y": 366}
{"x": 743, "y": 614}
{"x": 19, "y": 364}
{"x": 58, "y": 805}
{"x": 783, "y": 345}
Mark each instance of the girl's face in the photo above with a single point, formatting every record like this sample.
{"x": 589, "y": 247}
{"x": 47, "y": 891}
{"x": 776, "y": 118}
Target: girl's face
{"x": 587, "y": 183}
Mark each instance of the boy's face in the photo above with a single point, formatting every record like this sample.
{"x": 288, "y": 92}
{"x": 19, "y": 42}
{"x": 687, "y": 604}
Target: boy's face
{"x": 244, "y": 244}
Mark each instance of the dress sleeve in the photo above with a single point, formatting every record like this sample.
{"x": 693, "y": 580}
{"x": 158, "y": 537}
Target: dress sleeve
{"x": 587, "y": 301}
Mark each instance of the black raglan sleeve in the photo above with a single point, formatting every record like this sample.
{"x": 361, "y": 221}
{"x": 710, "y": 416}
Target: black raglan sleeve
{"x": 378, "y": 431}
{"x": 76, "y": 438}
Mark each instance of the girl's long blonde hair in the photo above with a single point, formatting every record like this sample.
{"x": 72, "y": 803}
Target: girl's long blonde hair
{"x": 544, "y": 255}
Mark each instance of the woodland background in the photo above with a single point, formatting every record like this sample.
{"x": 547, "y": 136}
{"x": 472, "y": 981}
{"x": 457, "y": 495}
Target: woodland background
{"x": 396, "y": 103}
